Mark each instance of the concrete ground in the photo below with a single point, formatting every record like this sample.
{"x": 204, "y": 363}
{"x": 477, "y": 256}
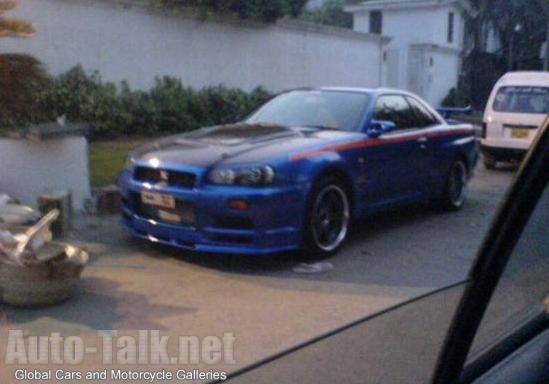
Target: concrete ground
{"x": 131, "y": 285}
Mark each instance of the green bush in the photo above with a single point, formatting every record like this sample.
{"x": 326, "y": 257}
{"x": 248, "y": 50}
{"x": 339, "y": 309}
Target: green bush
{"x": 330, "y": 13}
{"x": 457, "y": 97}
{"x": 82, "y": 97}
{"x": 113, "y": 110}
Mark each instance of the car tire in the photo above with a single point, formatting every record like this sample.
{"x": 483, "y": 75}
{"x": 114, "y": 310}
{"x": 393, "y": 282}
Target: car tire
{"x": 490, "y": 162}
{"x": 327, "y": 218}
{"x": 455, "y": 187}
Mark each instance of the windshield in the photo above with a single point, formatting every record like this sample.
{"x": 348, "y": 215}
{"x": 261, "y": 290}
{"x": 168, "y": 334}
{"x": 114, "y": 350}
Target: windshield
{"x": 327, "y": 109}
{"x": 522, "y": 100}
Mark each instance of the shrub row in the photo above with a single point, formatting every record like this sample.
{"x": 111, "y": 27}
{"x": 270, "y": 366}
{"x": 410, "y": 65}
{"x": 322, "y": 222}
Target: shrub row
{"x": 264, "y": 10}
{"x": 120, "y": 110}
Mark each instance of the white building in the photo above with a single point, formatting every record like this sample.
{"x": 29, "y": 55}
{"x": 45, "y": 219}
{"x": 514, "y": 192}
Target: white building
{"x": 424, "y": 54}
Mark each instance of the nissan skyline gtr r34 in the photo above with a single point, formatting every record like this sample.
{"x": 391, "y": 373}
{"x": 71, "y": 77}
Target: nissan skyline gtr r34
{"x": 297, "y": 173}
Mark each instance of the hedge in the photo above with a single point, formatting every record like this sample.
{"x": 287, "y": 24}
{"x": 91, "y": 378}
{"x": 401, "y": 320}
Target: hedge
{"x": 262, "y": 10}
{"x": 116, "y": 110}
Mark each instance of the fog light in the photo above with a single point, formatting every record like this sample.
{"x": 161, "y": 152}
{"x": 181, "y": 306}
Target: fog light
{"x": 239, "y": 204}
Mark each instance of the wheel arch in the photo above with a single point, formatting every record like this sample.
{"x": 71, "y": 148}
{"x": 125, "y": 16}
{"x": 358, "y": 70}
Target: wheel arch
{"x": 461, "y": 156}
{"x": 344, "y": 180}
{"x": 342, "y": 175}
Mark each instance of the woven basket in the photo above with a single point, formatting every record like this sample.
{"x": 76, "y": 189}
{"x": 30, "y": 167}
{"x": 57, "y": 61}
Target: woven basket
{"x": 46, "y": 283}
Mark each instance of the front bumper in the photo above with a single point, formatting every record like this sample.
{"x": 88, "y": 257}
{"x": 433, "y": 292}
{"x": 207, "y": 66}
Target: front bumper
{"x": 271, "y": 223}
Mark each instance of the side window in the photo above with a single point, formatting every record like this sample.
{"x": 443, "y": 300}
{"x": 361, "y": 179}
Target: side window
{"x": 396, "y": 109}
{"x": 424, "y": 117}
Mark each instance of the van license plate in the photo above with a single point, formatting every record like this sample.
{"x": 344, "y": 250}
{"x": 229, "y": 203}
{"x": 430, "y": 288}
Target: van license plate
{"x": 519, "y": 133}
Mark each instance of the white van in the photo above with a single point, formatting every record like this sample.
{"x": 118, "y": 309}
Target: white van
{"x": 515, "y": 110}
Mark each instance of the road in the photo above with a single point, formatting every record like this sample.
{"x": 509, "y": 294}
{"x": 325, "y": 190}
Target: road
{"x": 130, "y": 285}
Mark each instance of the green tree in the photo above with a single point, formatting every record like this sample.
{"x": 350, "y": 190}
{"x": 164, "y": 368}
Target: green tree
{"x": 21, "y": 76}
{"x": 264, "y": 10}
{"x": 330, "y": 13}
{"x": 21, "y": 79}
{"x": 10, "y": 27}
{"x": 520, "y": 26}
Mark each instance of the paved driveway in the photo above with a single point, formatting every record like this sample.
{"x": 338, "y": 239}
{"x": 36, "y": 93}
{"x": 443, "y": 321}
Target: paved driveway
{"x": 131, "y": 285}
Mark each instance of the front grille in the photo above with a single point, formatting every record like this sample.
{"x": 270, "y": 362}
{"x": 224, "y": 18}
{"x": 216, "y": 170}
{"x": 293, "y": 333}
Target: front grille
{"x": 175, "y": 178}
{"x": 147, "y": 174}
{"x": 183, "y": 209}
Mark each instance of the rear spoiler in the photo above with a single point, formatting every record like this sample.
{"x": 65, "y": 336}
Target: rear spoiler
{"x": 447, "y": 112}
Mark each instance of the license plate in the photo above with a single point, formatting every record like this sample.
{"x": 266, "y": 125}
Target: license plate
{"x": 158, "y": 199}
{"x": 518, "y": 133}
{"x": 167, "y": 216}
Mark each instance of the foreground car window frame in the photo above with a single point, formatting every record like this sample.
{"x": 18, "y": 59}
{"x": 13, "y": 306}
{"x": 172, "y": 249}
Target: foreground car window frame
{"x": 493, "y": 256}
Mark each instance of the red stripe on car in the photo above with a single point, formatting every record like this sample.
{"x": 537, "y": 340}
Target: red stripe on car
{"x": 374, "y": 143}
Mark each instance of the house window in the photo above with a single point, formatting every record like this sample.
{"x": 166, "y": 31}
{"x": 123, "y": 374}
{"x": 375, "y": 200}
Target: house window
{"x": 375, "y": 22}
{"x": 450, "y": 27}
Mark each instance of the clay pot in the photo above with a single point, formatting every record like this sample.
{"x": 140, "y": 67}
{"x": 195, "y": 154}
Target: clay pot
{"x": 46, "y": 283}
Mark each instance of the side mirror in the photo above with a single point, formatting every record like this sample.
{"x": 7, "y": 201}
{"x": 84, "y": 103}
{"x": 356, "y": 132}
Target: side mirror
{"x": 379, "y": 127}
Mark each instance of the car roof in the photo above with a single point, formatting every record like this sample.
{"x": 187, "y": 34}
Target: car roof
{"x": 525, "y": 78}
{"x": 376, "y": 91}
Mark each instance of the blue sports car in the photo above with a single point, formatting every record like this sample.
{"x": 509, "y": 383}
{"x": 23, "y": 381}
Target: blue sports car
{"x": 296, "y": 173}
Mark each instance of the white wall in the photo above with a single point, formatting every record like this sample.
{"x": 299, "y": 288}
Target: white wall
{"x": 432, "y": 71}
{"x": 443, "y": 75}
{"x": 30, "y": 168}
{"x": 137, "y": 43}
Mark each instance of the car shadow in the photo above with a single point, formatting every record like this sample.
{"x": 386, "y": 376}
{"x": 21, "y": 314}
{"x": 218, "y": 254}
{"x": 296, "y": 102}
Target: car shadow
{"x": 232, "y": 263}
{"x": 412, "y": 246}
{"x": 407, "y": 250}
{"x": 259, "y": 265}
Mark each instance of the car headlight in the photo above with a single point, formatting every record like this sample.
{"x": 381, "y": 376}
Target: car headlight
{"x": 262, "y": 175}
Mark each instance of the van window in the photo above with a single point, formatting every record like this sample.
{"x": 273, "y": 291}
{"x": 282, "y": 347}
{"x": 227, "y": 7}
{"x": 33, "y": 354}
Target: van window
{"x": 520, "y": 99}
